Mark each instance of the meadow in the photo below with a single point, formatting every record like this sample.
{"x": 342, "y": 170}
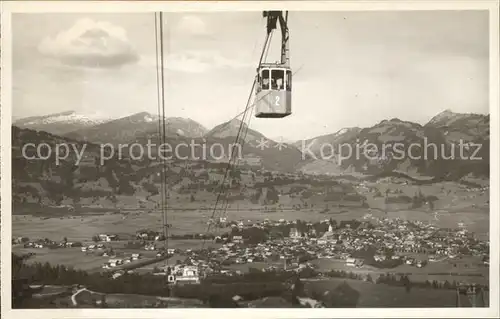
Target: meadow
{"x": 379, "y": 295}
{"x": 68, "y": 257}
{"x": 441, "y": 271}
{"x": 82, "y": 228}
{"x": 93, "y": 262}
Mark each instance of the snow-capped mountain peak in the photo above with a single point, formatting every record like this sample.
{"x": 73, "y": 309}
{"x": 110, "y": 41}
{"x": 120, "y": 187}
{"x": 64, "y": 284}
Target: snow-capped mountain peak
{"x": 442, "y": 117}
{"x": 63, "y": 122}
{"x": 68, "y": 116}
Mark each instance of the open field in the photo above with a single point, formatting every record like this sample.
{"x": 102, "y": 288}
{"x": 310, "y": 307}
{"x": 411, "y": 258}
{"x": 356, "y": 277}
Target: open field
{"x": 68, "y": 257}
{"x": 160, "y": 264}
{"x": 74, "y": 257}
{"x": 82, "y": 228}
{"x": 440, "y": 271}
{"x": 118, "y": 300}
{"x": 92, "y": 261}
{"x": 370, "y": 296}
{"x": 115, "y": 300}
{"x": 373, "y": 295}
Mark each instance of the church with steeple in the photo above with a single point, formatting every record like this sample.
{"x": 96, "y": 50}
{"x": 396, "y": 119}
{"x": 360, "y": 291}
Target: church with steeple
{"x": 329, "y": 234}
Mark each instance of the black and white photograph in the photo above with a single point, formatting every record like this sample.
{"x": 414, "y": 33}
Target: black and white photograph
{"x": 260, "y": 155}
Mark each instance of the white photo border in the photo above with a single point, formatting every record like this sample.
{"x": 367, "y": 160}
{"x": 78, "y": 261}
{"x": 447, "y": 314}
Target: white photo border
{"x": 9, "y": 7}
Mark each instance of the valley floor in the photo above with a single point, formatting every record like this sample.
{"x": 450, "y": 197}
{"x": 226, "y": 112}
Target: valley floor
{"x": 82, "y": 228}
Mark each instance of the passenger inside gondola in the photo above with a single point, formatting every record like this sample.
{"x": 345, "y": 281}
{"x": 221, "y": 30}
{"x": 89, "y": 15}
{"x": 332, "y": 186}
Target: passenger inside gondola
{"x": 280, "y": 84}
{"x": 277, "y": 79}
{"x": 265, "y": 84}
{"x": 265, "y": 79}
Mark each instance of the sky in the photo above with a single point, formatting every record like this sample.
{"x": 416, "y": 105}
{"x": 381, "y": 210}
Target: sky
{"x": 351, "y": 68}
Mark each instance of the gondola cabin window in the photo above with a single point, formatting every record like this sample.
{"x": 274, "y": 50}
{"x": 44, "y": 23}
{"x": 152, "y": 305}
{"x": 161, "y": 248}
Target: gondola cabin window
{"x": 289, "y": 80}
{"x": 277, "y": 79}
{"x": 274, "y": 79}
{"x": 264, "y": 79}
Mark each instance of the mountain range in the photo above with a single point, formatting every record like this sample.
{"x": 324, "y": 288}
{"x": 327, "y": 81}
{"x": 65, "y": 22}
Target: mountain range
{"x": 333, "y": 154}
{"x": 124, "y": 180}
{"x": 99, "y": 129}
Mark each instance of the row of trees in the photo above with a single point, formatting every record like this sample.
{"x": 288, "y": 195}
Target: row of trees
{"x": 394, "y": 280}
{"x": 403, "y": 280}
{"x": 417, "y": 201}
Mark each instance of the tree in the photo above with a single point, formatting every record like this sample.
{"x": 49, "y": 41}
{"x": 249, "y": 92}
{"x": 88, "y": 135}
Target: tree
{"x": 333, "y": 222}
{"x": 446, "y": 285}
{"x": 381, "y": 279}
{"x": 297, "y": 288}
{"x": 407, "y": 283}
{"x": 435, "y": 284}
{"x": 221, "y": 301}
{"x": 364, "y": 204}
{"x": 272, "y": 195}
{"x": 431, "y": 205}
{"x": 389, "y": 253}
{"x": 21, "y": 291}
{"x": 103, "y": 302}
{"x": 369, "y": 278}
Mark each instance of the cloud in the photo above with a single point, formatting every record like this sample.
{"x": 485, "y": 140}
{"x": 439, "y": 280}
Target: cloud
{"x": 200, "y": 61}
{"x": 92, "y": 44}
{"x": 203, "y": 61}
{"x": 192, "y": 25}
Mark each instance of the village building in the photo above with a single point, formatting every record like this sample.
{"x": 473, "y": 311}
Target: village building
{"x": 184, "y": 275}
{"x": 105, "y": 237}
{"x": 294, "y": 233}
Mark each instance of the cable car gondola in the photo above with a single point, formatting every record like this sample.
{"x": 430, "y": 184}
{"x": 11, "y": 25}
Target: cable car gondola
{"x": 272, "y": 89}
{"x": 274, "y": 80}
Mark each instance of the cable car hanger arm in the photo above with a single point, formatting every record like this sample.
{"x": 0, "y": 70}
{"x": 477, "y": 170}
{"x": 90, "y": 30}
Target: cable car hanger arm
{"x": 273, "y": 17}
